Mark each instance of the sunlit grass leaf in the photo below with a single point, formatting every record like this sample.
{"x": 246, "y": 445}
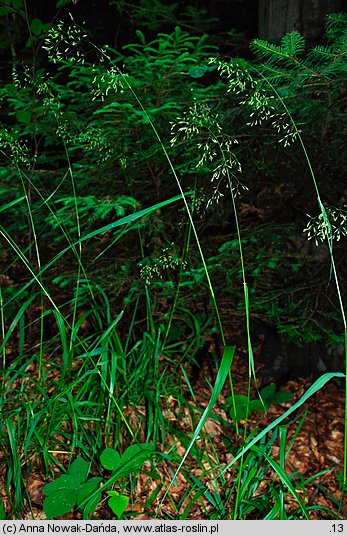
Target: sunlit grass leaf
{"x": 318, "y": 384}
{"x": 223, "y": 371}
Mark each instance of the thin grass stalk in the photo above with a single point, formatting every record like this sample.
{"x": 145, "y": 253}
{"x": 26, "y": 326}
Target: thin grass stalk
{"x": 229, "y": 351}
{"x": 27, "y": 195}
{"x": 283, "y": 453}
{"x": 120, "y": 222}
{"x": 79, "y": 253}
{"x": 333, "y": 267}
{"x": 189, "y": 213}
{"x": 14, "y": 474}
{"x": 184, "y": 258}
{"x": 3, "y": 349}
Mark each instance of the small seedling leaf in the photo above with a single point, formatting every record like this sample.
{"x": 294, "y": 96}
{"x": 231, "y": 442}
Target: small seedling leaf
{"x": 257, "y": 405}
{"x": 110, "y": 459}
{"x": 239, "y": 411}
{"x": 281, "y": 396}
{"x": 118, "y": 503}
{"x": 268, "y": 392}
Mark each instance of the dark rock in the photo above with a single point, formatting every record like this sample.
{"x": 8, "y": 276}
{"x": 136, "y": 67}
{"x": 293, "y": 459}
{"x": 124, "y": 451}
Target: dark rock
{"x": 283, "y": 360}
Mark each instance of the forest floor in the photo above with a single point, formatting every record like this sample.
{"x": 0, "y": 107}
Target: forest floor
{"x": 318, "y": 446}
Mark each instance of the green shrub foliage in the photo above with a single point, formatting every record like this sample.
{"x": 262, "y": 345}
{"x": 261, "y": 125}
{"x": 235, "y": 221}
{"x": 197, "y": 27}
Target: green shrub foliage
{"x": 107, "y": 117}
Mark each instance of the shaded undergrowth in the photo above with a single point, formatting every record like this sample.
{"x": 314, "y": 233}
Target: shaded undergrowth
{"x": 88, "y": 374}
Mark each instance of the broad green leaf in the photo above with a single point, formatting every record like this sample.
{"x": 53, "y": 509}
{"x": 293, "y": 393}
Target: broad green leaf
{"x": 87, "y": 489}
{"x": 110, "y": 459}
{"x": 257, "y": 405}
{"x": 240, "y": 411}
{"x": 63, "y": 483}
{"x": 197, "y": 71}
{"x": 268, "y": 391}
{"x": 36, "y": 26}
{"x": 79, "y": 469}
{"x": 58, "y": 504}
{"x": 117, "y": 503}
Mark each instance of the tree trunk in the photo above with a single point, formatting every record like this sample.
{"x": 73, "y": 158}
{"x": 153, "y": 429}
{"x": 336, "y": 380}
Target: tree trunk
{"x": 278, "y": 17}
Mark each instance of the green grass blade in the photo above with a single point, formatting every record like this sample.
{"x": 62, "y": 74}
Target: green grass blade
{"x": 12, "y": 203}
{"x": 16, "y": 320}
{"x": 318, "y": 384}
{"x": 221, "y": 377}
{"x": 14, "y": 471}
{"x": 130, "y": 218}
{"x": 284, "y": 479}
